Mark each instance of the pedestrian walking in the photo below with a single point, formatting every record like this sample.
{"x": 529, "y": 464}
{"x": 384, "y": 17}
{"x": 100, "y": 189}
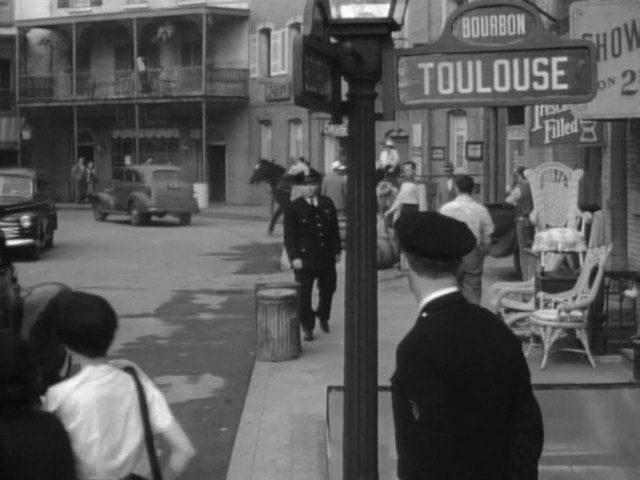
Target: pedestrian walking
{"x": 78, "y": 180}
{"x": 33, "y": 444}
{"x": 92, "y": 180}
{"x": 463, "y": 405}
{"x": 476, "y": 216}
{"x": 410, "y": 196}
{"x": 102, "y": 406}
{"x": 312, "y": 243}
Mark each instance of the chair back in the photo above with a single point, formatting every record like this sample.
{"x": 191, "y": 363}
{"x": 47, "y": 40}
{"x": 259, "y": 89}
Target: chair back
{"x": 591, "y": 275}
{"x": 554, "y": 188}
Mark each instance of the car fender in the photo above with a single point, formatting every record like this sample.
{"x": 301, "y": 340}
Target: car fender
{"x": 104, "y": 200}
{"x": 140, "y": 197}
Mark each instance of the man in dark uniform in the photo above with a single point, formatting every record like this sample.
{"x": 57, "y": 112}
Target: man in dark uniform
{"x": 312, "y": 242}
{"x": 463, "y": 404}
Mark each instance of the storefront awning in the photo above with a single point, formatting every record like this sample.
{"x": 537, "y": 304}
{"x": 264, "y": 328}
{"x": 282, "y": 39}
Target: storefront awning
{"x": 9, "y": 132}
{"x": 146, "y": 133}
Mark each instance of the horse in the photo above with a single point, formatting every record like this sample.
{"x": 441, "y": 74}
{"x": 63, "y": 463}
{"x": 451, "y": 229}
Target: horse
{"x": 279, "y": 183}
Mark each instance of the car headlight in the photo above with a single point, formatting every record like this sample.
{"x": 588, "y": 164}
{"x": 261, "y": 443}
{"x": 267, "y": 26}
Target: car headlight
{"x": 26, "y": 221}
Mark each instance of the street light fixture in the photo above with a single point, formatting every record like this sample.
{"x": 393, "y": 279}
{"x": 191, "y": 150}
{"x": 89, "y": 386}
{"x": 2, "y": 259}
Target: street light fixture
{"x": 361, "y": 30}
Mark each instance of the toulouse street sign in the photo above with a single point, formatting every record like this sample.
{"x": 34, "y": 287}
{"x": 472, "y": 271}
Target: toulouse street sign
{"x": 494, "y": 53}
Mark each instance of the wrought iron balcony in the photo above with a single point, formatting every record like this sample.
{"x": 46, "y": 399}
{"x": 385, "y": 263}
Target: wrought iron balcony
{"x": 126, "y": 84}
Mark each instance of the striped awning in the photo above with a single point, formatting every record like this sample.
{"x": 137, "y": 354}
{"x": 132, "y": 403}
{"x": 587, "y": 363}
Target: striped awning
{"x": 9, "y": 132}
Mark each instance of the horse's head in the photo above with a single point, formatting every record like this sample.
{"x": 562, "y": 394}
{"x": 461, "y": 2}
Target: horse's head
{"x": 266, "y": 171}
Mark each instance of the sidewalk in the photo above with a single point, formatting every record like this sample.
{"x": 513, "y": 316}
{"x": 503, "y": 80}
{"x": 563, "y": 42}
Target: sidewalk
{"x": 282, "y": 432}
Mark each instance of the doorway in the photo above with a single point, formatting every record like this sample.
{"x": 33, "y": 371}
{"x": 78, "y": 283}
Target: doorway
{"x": 217, "y": 173}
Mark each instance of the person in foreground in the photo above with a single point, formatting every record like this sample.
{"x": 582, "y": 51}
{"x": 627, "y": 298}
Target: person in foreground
{"x": 33, "y": 444}
{"x": 463, "y": 405}
{"x": 99, "y": 405}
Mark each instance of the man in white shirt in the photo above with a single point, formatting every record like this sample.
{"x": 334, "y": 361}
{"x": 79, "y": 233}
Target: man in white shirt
{"x": 465, "y": 209}
{"x": 99, "y": 406}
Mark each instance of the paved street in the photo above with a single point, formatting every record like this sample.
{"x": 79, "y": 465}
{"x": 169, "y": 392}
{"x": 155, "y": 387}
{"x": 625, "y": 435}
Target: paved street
{"x": 185, "y": 299}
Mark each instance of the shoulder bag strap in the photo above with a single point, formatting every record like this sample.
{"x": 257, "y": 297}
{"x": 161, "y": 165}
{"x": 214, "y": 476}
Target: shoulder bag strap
{"x": 148, "y": 434}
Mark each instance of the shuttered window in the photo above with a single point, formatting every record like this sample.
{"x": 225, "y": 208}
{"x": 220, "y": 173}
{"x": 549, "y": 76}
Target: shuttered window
{"x": 254, "y": 70}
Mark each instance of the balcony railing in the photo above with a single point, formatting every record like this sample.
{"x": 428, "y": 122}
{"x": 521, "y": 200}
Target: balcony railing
{"x": 122, "y": 84}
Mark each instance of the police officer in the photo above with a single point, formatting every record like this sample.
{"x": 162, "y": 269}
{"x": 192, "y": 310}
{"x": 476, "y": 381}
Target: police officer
{"x": 463, "y": 404}
{"x": 312, "y": 242}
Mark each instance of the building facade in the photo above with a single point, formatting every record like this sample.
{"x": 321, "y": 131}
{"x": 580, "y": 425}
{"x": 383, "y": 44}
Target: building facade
{"x": 130, "y": 81}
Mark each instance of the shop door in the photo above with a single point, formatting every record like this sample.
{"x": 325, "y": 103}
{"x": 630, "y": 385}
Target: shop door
{"x": 216, "y": 166}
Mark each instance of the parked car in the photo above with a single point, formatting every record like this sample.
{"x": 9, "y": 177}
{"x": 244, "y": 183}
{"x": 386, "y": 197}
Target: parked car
{"x": 28, "y": 216}
{"x": 147, "y": 191}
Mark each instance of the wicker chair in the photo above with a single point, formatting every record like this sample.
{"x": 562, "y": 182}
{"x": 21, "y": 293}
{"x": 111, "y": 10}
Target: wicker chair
{"x": 569, "y": 311}
{"x": 554, "y": 188}
{"x": 514, "y": 302}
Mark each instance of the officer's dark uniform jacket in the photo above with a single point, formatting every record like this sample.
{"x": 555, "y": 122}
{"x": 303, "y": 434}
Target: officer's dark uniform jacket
{"x": 462, "y": 399}
{"x": 312, "y": 233}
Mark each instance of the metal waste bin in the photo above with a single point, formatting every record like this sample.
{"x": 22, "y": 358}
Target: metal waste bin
{"x": 277, "y": 321}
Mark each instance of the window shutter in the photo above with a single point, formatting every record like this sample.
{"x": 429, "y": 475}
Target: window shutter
{"x": 284, "y": 47}
{"x": 276, "y": 52}
{"x": 253, "y": 55}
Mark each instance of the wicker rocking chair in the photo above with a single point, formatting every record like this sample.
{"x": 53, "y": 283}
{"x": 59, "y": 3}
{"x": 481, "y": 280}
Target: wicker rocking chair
{"x": 569, "y": 311}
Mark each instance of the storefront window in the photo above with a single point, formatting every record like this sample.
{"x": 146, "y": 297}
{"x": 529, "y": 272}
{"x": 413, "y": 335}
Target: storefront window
{"x": 458, "y": 140}
{"x": 266, "y": 140}
{"x": 295, "y": 138}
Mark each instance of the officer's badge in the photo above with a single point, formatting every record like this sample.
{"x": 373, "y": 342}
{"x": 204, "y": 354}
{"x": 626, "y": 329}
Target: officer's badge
{"x": 414, "y": 409}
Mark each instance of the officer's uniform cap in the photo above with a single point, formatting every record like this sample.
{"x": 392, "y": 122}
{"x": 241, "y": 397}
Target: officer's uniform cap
{"x": 434, "y": 236}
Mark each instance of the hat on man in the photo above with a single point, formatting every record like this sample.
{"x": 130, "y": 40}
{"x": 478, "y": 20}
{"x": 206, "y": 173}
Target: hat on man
{"x": 312, "y": 178}
{"x": 338, "y": 166}
{"x": 388, "y": 143}
{"x": 434, "y": 236}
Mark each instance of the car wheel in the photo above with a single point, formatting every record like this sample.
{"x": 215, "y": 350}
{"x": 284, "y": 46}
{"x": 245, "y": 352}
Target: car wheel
{"x": 137, "y": 218}
{"x": 184, "y": 219}
{"x": 99, "y": 214}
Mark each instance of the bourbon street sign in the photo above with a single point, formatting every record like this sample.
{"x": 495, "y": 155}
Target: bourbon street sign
{"x": 492, "y": 54}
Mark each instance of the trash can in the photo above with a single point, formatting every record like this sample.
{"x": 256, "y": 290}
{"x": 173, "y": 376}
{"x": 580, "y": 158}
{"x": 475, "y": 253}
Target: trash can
{"x": 277, "y": 321}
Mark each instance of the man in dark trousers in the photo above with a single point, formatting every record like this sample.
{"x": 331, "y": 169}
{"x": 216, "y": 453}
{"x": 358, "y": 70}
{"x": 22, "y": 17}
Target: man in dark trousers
{"x": 312, "y": 242}
{"x": 463, "y": 404}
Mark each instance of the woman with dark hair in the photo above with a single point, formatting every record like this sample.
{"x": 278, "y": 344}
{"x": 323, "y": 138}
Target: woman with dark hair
{"x": 33, "y": 444}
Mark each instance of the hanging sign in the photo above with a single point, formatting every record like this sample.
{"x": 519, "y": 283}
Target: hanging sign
{"x": 561, "y": 125}
{"x": 614, "y": 28}
{"x": 494, "y": 54}
{"x": 316, "y": 74}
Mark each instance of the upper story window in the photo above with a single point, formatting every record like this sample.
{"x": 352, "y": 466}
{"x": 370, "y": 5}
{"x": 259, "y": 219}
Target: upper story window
{"x": 264, "y": 52}
{"x": 269, "y": 52}
{"x": 79, "y": 3}
{"x": 293, "y": 31}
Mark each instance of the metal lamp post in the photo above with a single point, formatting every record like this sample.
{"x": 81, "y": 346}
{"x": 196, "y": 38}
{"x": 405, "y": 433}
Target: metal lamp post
{"x": 363, "y": 31}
